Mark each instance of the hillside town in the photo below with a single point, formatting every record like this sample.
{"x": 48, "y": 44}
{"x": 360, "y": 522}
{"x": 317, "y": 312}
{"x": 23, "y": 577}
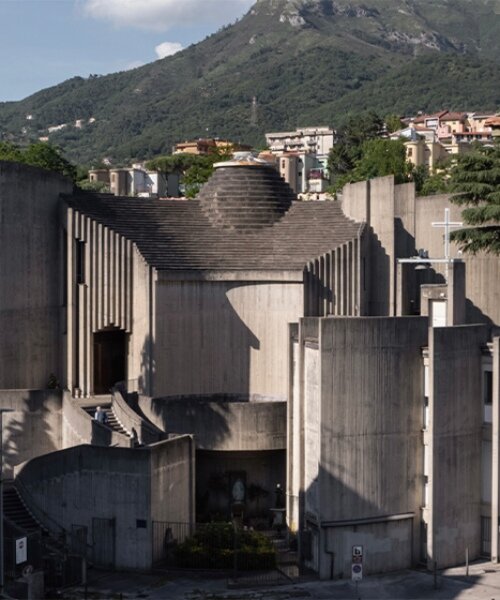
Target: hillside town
{"x": 301, "y": 156}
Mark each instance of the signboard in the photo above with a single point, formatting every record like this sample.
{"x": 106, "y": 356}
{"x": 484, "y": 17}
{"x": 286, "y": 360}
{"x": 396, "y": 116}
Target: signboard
{"x": 357, "y": 563}
{"x": 357, "y": 572}
{"x": 21, "y": 550}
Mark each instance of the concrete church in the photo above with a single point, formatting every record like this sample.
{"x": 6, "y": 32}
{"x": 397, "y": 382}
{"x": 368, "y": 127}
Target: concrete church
{"x": 248, "y": 340}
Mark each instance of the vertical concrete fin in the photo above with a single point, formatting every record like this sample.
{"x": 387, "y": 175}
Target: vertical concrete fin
{"x": 495, "y": 458}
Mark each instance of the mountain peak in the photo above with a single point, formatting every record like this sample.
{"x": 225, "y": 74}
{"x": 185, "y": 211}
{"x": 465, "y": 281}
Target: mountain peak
{"x": 305, "y": 61}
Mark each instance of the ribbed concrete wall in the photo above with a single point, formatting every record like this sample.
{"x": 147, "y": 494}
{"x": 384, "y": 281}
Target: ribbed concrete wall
{"x": 31, "y": 289}
{"x": 114, "y": 293}
{"x": 374, "y": 202}
{"x": 334, "y": 283}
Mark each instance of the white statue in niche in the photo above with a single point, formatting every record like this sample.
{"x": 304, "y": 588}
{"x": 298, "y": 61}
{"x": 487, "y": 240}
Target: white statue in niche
{"x": 238, "y": 491}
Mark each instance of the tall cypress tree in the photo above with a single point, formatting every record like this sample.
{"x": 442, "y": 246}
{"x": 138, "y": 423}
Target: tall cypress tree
{"x": 475, "y": 180}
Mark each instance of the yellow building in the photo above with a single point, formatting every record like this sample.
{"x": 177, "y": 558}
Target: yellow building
{"x": 209, "y": 145}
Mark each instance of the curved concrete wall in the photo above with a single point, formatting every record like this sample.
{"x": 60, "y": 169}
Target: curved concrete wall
{"x": 77, "y": 485}
{"x": 80, "y": 428}
{"x": 221, "y": 422}
{"x": 129, "y": 419}
{"x": 128, "y": 488}
{"x": 222, "y": 336}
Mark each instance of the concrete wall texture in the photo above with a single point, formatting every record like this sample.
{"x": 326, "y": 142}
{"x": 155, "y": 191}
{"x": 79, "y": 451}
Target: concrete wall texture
{"x": 84, "y": 484}
{"x": 223, "y": 424}
{"x": 223, "y": 337}
{"x": 410, "y": 229}
{"x": 173, "y": 480}
{"x": 362, "y": 452}
{"x": 123, "y": 489}
{"x": 31, "y": 260}
{"x": 455, "y": 433}
{"x": 33, "y": 428}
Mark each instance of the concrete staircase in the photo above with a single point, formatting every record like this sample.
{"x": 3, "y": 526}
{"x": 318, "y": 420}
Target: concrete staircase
{"x": 15, "y": 510}
{"x": 112, "y": 422}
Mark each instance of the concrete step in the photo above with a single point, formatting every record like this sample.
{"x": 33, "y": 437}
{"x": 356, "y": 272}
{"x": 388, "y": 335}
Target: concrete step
{"x": 112, "y": 422}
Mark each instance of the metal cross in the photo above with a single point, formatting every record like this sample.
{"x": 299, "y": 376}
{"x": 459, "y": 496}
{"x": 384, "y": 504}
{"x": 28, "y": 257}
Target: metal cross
{"x": 447, "y": 225}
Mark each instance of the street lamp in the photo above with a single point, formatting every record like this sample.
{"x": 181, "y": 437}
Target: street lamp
{"x": 2, "y": 553}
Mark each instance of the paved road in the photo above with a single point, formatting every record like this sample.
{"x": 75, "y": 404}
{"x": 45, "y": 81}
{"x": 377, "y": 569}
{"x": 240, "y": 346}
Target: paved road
{"x": 483, "y": 583}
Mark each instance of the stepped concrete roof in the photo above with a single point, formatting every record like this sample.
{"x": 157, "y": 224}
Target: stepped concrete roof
{"x": 244, "y": 218}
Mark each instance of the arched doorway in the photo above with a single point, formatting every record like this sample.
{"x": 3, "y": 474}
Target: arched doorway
{"x": 110, "y": 352}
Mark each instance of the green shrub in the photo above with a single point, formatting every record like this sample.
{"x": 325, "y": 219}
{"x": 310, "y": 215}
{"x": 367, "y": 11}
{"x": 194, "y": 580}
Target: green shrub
{"x": 213, "y": 547}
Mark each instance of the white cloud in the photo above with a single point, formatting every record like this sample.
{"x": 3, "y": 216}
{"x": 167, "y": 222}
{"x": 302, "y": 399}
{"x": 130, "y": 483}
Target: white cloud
{"x": 167, "y": 49}
{"x": 161, "y": 15}
{"x": 134, "y": 65}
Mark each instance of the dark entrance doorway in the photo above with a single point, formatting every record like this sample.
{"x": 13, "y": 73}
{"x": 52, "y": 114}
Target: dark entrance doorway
{"x": 109, "y": 359}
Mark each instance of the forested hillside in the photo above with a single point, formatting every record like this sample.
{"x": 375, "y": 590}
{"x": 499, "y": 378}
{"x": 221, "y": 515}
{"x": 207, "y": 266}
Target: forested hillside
{"x": 305, "y": 61}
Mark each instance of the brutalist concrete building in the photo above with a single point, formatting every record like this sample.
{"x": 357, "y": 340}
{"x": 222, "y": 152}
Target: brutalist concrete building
{"x": 256, "y": 340}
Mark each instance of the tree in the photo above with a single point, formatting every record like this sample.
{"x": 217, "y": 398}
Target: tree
{"x": 40, "y": 154}
{"x": 349, "y": 147}
{"x": 195, "y": 169}
{"x": 9, "y": 151}
{"x": 475, "y": 179}
{"x": 378, "y": 158}
{"x": 393, "y": 123}
{"x": 383, "y": 157}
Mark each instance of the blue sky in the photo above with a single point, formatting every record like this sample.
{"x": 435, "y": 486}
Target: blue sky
{"x": 44, "y": 42}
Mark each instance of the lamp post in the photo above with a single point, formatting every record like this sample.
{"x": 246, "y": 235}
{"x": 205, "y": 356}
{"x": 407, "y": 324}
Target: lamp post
{"x": 2, "y": 553}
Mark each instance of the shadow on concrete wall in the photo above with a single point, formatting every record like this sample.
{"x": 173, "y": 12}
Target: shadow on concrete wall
{"x": 187, "y": 417}
{"x": 380, "y": 269}
{"x": 202, "y": 344}
{"x": 31, "y": 431}
{"x": 101, "y": 434}
{"x": 148, "y": 367}
{"x": 473, "y": 314}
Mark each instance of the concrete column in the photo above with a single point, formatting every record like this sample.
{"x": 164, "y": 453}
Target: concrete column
{"x": 99, "y": 277}
{"x": 322, "y": 290}
{"x": 88, "y": 308}
{"x": 106, "y": 287}
{"x": 332, "y": 283}
{"x": 122, "y": 283}
{"x": 112, "y": 281}
{"x": 130, "y": 285}
{"x": 82, "y": 322}
{"x": 345, "y": 280}
{"x": 495, "y": 458}
{"x": 337, "y": 283}
{"x": 70, "y": 303}
{"x": 317, "y": 288}
{"x": 355, "y": 279}
{"x": 349, "y": 274}
{"x": 328, "y": 286}
{"x": 95, "y": 265}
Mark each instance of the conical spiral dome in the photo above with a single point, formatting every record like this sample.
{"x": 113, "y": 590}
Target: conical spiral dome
{"x": 245, "y": 196}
